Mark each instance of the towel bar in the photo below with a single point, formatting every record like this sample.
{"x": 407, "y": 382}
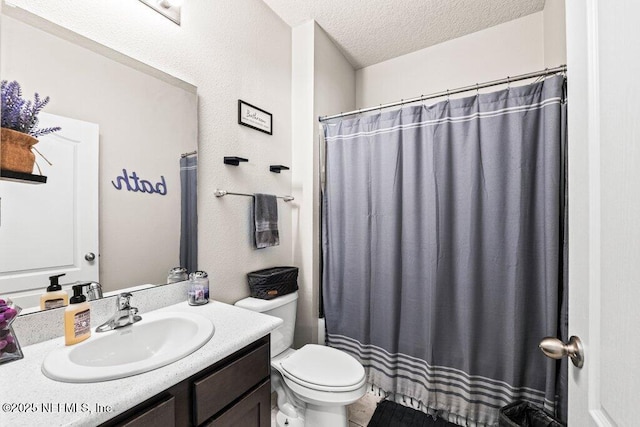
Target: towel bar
{"x": 222, "y": 193}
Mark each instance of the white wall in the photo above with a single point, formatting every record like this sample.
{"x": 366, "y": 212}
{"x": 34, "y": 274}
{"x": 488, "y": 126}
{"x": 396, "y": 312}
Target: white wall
{"x": 303, "y": 158}
{"x": 229, "y": 49}
{"x": 145, "y": 124}
{"x": 335, "y": 78}
{"x": 555, "y": 37}
{"x": 512, "y": 48}
{"x": 323, "y": 82}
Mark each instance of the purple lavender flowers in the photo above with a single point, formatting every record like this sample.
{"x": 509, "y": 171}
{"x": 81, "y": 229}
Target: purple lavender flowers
{"x": 19, "y": 114}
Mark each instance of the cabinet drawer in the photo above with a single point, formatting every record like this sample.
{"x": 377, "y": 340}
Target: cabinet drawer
{"x": 253, "y": 410}
{"x": 160, "y": 414}
{"x": 215, "y": 391}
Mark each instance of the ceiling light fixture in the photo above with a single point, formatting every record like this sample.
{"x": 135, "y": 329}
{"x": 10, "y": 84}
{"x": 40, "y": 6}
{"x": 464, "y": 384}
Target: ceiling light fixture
{"x": 168, "y": 8}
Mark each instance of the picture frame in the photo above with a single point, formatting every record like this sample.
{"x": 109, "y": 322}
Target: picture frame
{"x": 254, "y": 117}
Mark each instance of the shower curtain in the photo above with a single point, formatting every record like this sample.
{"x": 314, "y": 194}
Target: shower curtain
{"x": 189, "y": 213}
{"x": 443, "y": 243}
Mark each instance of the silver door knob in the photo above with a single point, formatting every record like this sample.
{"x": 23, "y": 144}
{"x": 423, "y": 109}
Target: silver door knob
{"x": 90, "y": 256}
{"x": 554, "y": 348}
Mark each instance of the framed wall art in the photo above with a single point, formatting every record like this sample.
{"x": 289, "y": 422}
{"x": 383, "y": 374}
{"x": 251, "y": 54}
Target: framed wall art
{"x": 254, "y": 117}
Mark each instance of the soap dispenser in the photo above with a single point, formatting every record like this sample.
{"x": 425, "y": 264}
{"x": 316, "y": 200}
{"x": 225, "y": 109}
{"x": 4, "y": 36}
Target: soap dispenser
{"x": 54, "y": 297}
{"x": 77, "y": 318}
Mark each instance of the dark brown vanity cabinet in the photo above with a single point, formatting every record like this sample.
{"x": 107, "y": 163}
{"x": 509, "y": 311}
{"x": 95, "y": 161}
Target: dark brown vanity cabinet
{"x": 235, "y": 391}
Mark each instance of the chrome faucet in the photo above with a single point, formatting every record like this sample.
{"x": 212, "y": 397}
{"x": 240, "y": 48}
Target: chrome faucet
{"x": 92, "y": 290}
{"x": 125, "y": 314}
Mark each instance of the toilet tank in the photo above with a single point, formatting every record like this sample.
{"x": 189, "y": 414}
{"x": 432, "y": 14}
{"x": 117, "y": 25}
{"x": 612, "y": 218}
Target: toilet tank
{"x": 283, "y": 307}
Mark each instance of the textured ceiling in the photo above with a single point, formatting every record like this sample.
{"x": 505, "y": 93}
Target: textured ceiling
{"x": 371, "y": 31}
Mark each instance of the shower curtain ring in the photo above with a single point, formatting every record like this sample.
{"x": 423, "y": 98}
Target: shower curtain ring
{"x": 508, "y": 82}
{"x": 477, "y": 90}
{"x": 542, "y": 76}
{"x": 447, "y": 95}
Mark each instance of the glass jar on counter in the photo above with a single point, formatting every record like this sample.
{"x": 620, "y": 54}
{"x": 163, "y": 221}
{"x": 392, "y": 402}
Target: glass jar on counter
{"x": 198, "y": 288}
{"x": 177, "y": 274}
{"x": 9, "y": 347}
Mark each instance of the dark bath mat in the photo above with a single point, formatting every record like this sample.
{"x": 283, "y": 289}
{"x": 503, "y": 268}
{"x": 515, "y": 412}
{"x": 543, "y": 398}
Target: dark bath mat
{"x": 391, "y": 414}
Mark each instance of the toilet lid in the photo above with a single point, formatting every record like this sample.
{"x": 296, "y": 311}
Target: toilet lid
{"x": 323, "y": 366}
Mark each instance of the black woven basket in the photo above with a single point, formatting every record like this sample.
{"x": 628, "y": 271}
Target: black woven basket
{"x": 273, "y": 282}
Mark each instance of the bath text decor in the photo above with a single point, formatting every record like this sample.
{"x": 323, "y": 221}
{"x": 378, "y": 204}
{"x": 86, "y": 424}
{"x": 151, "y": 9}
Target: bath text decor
{"x": 134, "y": 183}
{"x": 254, "y": 117}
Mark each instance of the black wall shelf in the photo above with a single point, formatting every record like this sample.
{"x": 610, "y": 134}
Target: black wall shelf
{"x": 278, "y": 168}
{"x": 234, "y": 161}
{"x": 28, "y": 178}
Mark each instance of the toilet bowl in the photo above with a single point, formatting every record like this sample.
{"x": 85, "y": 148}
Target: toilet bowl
{"x": 315, "y": 383}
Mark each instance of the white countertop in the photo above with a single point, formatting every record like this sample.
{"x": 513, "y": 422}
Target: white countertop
{"x": 26, "y": 393}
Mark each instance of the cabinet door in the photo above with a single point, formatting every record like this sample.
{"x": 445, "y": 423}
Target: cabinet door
{"x": 254, "y": 410}
{"x": 160, "y": 414}
{"x": 215, "y": 391}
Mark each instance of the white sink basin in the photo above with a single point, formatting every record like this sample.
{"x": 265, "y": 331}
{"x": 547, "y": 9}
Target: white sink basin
{"x": 158, "y": 339}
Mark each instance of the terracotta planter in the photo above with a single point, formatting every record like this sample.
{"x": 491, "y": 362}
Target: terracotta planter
{"x": 15, "y": 151}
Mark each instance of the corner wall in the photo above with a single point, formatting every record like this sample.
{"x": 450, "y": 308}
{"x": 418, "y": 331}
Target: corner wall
{"x": 229, "y": 49}
{"x": 323, "y": 82}
{"x": 555, "y": 33}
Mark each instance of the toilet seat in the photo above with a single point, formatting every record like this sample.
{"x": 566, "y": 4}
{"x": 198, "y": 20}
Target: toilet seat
{"x": 324, "y": 369}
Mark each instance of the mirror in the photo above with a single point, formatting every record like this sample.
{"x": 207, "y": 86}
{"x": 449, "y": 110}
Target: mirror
{"x": 143, "y": 121}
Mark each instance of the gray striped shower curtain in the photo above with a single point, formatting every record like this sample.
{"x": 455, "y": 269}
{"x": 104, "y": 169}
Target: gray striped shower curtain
{"x": 443, "y": 243}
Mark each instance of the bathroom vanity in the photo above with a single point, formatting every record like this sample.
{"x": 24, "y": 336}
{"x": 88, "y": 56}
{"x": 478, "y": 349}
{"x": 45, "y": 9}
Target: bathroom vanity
{"x": 235, "y": 391}
{"x": 225, "y": 382}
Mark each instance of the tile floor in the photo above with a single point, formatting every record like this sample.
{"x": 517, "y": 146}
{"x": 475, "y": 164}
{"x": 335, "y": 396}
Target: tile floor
{"x": 359, "y": 413}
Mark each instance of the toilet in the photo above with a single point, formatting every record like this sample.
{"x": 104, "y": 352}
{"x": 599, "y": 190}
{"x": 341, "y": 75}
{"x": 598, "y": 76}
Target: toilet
{"x": 315, "y": 383}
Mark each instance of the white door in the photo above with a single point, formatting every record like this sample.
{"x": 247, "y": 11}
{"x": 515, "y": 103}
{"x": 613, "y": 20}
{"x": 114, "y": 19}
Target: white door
{"x": 47, "y": 229}
{"x": 603, "y": 49}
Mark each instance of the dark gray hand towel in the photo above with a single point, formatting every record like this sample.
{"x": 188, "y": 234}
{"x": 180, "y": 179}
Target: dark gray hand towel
{"x": 265, "y": 215}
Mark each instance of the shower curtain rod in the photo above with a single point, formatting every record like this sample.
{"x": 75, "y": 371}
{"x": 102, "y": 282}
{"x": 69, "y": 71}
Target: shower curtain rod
{"x": 477, "y": 86}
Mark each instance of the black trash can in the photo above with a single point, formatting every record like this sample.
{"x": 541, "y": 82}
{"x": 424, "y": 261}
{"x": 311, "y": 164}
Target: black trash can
{"x": 524, "y": 414}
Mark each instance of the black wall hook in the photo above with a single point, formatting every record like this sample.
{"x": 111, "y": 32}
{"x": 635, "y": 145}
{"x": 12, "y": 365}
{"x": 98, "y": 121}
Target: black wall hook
{"x": 234, "y": 161}
{"x": 278, "y": 168}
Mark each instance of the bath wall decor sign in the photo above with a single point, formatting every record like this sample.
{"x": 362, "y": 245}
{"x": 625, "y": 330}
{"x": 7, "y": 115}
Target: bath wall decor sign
{"x": 132, "y": 182}
{"x": 254, "y": 117}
